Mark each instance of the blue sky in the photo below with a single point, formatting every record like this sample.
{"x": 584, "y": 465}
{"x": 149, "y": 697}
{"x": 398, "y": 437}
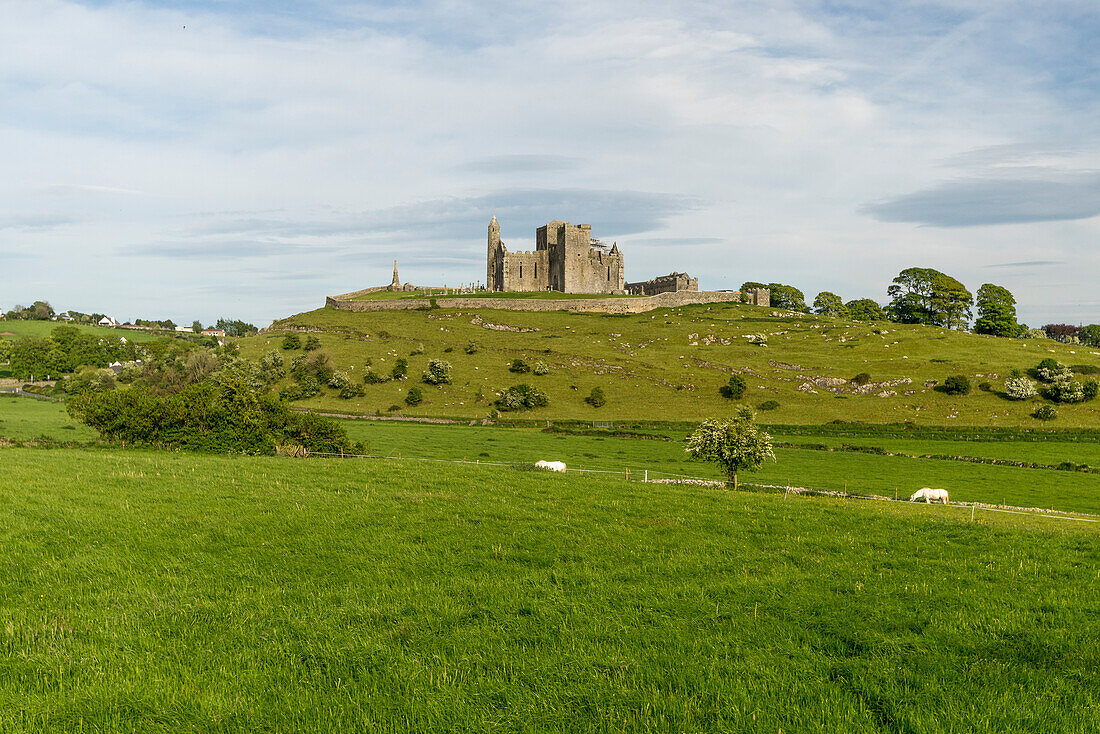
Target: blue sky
{"x": 244, "y": 159}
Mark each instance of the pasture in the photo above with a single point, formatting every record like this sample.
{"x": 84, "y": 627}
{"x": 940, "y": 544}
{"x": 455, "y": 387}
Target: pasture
{"x": 152, "y": 591}
{"x": 14, "y": 329}
{"x": 669, "y": 365}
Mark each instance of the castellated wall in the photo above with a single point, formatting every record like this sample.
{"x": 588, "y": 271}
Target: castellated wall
{"x": 525, "y": 271}
{"x": 594, "y": 271}
{"x": 639, "y": 304}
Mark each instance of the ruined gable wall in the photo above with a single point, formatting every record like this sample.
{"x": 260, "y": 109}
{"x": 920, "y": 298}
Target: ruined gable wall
{"x": 671, "y": 283}
{"x": 595, "y": 272}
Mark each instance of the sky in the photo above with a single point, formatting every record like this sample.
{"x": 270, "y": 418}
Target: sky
{"x": 200, "y": 159}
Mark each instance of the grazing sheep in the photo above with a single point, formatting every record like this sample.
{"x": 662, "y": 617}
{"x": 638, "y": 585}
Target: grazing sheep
{"x": 928, "y": 495}
{"x": 551, "y": 465}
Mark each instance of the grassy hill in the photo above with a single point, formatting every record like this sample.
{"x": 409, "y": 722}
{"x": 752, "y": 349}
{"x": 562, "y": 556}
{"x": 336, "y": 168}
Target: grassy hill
{"x": 14, "y": 329}
{"x": 669, "y": 364}
{"x": 153, "y": 591}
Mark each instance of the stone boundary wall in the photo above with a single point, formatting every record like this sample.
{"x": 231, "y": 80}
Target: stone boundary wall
{"x": 637, "y": 304}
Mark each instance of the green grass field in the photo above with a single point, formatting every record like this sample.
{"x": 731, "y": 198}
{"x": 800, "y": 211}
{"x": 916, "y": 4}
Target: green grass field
{"x": 23, "y": 419}
{"x": 26, "y": 419}
{"x": 150, "y": 591}
{"x": 669, "y": 364}
{"x": 14, "y": 329}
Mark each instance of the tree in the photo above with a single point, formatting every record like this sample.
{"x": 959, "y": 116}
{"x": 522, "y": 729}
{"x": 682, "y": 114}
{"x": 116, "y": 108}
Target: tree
{"x": 1090, "y": 335}
{"x": 438, "y": 373}
{"x": 414, "y": 396}
{"x": 787, "y": 297}
{"x": 1065, "y": 333}
{"x": 1020, "y": 388}
{"x": 292, "y": 341}
{"x": 830, "y": 304}
{"x": 996, "y": 311}
{"x": 196, "y": 327}
{"x": 927, "y": 296}
{"x": 735, "y": 445}
{"x": 236, "y": 327}
{"x": 864, "y": 309}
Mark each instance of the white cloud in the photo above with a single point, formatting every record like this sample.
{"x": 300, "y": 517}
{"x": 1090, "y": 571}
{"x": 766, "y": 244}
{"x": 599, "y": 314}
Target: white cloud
{"x": 343, "y": 132}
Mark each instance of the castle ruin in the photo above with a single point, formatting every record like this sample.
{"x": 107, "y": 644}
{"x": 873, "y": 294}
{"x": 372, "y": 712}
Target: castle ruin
{"x": 565, "y": 259}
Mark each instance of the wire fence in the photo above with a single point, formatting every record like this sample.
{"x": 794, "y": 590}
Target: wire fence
{"x": 661, "y": 476}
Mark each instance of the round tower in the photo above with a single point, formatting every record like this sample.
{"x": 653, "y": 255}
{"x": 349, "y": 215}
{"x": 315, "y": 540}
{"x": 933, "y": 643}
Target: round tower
{"x": 491, "y": 257}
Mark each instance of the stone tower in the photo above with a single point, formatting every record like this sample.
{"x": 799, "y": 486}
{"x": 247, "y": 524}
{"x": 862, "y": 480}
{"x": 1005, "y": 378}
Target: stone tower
{"x": 395, "y": 284}
{"x": 491, "y": 260}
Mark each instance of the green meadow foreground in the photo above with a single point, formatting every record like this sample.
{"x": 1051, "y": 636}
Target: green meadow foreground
{"x": 151, "y": 591}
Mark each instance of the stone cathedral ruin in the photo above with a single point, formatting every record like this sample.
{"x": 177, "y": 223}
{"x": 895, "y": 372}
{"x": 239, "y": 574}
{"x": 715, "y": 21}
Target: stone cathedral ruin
{"x": 567, "y": 259}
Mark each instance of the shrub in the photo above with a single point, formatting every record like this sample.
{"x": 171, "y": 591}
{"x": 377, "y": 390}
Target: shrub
{"x": 400, "y": 369}
{"x": 473, "y": 348}
{"x": 1050, "y": 370}
{"x": 519, "y": 366}
{"x": 439, "y": 372}
{"x": 306, "y": 387}
{"x": 312, "y": 343}
{"x": 863, "y": 378}
{"x": 393, "y": 408}
{"x": 1085, "y": 369}
{"x": 985, "y": 386}
{"x": 448, "y": 350}
{"x": 521, "y": 397}
{"x": 370, "y": 377}
{"x": 596, "y": 398}
{"x": 540, "y": 369}
{"x": 1020, "y": 388}
{"x": 769, "y": 405}
{"x": 291, "y": 341}
{"x": 414, "y": 396}
{"x": 734, "y": 389}
{"x": 1065, "y": 391}
{"x": 1045, "y": 413}
{"x": 419, "y": 350}
{"x": 1092, "y": 388}
{"x": 956, "y": 385}
{"x": 350, "y": 391}
{"x": 271, "y": 367}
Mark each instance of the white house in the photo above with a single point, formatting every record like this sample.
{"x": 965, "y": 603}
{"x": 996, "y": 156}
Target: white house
{"x": 107, "y": 321}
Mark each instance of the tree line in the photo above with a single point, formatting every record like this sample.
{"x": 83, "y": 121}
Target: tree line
{"x": 927, "y": 296}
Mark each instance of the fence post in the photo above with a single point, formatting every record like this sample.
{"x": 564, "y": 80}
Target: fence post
{"x": 628, "y": 474}
{"x": 646, "y": 478}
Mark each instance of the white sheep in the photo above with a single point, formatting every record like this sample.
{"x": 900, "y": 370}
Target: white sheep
{"x": 929, "y": 495}
{"x": 551, "y": 465}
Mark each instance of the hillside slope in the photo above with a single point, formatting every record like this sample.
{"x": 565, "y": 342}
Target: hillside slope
{"x": 670, "y": 364}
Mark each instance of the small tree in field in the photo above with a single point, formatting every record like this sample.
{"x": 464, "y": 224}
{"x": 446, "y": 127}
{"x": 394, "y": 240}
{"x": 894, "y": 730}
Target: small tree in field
{"x": 736, "y": 444}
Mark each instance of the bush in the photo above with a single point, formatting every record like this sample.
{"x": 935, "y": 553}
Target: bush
{"x": 985, "y": 386}
{"x": 734, "y": 389}
{"x": 400, "y": 369}
{"x": 769, "y": 405}
{"x": 339, "y": 380}
{"x": 1020, "y": 388}
{"x": 519, "y": 366}
{"x": 414, "y": 396}
{"x": 370, "y": 377}
{"x": 540, "y": 369}
{"x": 1065, "y": 391}
{"x": 312, "y": 343}
{"x": 863, "y": 378}
{"x": 596, "y": 398}
{"x": 419, "y": 350}
{"x": 1050, "y": 370}
{"x": 439, "y": 372}
{"x": 304, "y": 388}
{"x": 521, "y": 397}
{"x": 291, "y": 341}
{"x": 350, "y": 391}
{"x": 473, "y": 348}
{"x": 1092, "y": 388}
{"x": 956, "y": 385}
{"x": 1045, "y": 413}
